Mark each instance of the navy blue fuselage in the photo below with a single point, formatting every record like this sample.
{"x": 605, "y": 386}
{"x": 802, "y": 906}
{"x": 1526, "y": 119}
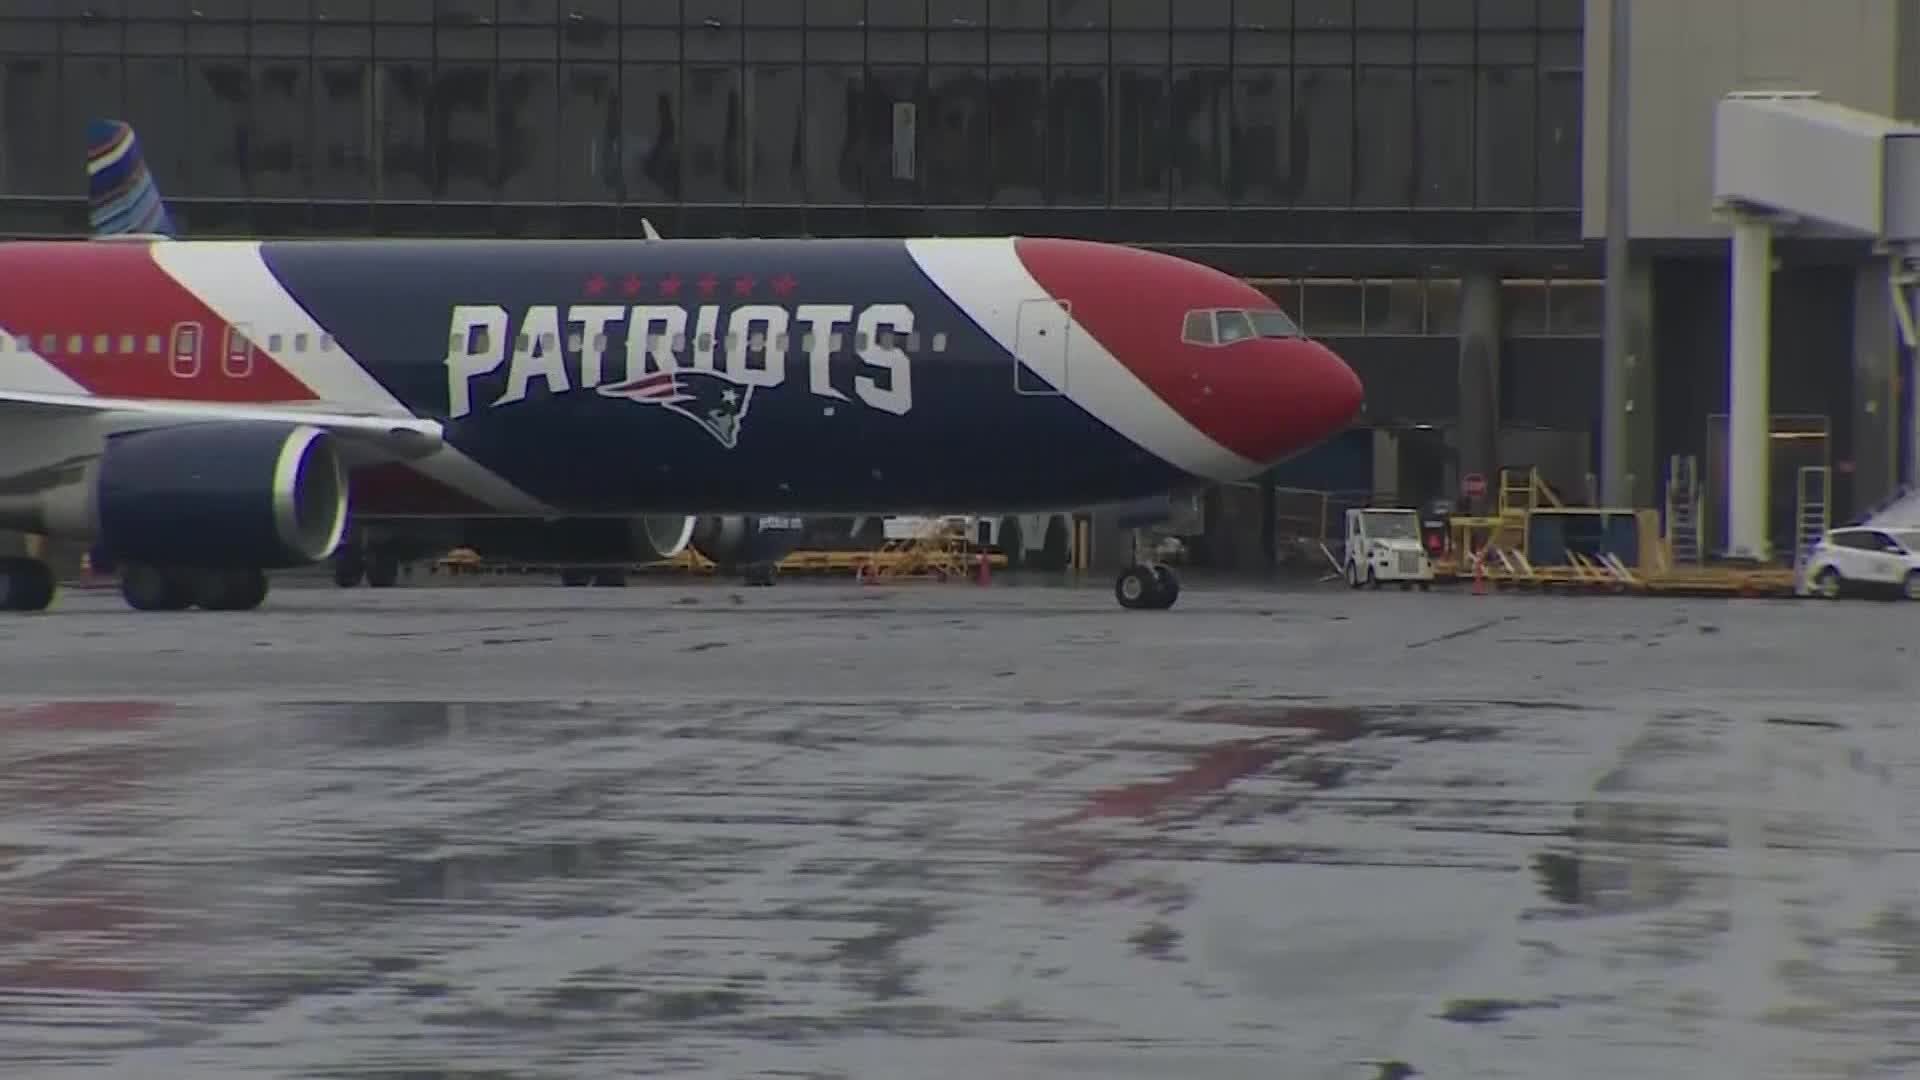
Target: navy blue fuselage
{"x": 937, "y": 419}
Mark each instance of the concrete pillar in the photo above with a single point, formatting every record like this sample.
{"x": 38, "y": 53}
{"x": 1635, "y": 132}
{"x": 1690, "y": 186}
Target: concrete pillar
{"x": 1748, "y": 445}
{"x": 1386, "y": 465}
{"x": 1876, "y": 406}
{"x": 1478, "y": 434}
{"x": 1644, "y": 467}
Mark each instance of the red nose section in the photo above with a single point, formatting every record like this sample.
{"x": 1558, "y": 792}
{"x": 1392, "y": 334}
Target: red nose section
{"x": 1263, "y": 398}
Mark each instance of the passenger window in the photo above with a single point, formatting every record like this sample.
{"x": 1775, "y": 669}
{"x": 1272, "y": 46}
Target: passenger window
{"x": 1198, "y": 329}
{"x": 599, "y": 343}
{"x": 76, "y": 345}
{"x": 102, "y": 344}
{"x": 1232, "y": 326}
{"x": 275, "y": 342}
{"x": 756, "y": 341}
{"x": 860, "y": 341}
{"x": 520, "y": 342}
{"x": 153, "y": 344}
{"x": 705, "y": 341}
{"x": 940, "y": 341}
{"x": 733, "y": 342}
{"x": 883, "y": 338}
{"x": 806, "y": 341}
{"x": 299, "y": 343}
{"x": 780, "y": 341}
{"x": 126, "y": 344}
{"x": 49, "y": 344}
{"x": 547, "y": 341}
{"x": 913, "y": 342}
{"x": 326, "y": 342}
{"x": 576, "y": 341}
{"x": 679, "y": 343}
{"x": 26, "y": 343}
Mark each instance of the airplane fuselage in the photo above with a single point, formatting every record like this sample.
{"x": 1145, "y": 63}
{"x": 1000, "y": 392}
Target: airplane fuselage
{"x": 606, "y": 377}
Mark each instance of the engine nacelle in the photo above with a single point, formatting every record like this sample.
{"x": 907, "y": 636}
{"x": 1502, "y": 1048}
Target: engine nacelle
{"x": 736, "y": 540}
{"x": 220, "y": 494}
{"x": 580, "y": 541}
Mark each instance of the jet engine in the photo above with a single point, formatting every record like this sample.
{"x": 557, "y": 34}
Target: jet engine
{"x": 734, "y": 541}
{"x": 254, "y": 494}
{"x": 581, "y": 540}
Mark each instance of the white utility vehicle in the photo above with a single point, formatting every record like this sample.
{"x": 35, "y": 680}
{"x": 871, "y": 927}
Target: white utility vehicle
{"x": 1384, "y": 545}
{"x": 1864, "y": 559}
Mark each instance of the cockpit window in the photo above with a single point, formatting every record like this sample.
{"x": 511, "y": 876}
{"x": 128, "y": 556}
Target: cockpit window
{"x": 1232, "y": 326}
{"x": 1229, "y": 325}
{"x": 1274, "y": 324}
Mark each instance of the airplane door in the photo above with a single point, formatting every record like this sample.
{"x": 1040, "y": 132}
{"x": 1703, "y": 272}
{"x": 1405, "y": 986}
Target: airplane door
{"x": 238, "y": 360}
{"x": 1040, "y": 364}
{"x": 185, "y": 357}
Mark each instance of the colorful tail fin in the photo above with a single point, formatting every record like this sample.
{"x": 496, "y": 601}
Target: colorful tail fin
{"x": 121, "y": 196}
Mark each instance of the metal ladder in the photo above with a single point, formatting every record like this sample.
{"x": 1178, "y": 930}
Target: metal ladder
{"x": 1812, "y": 513}
{"x": 1683, "y": 508}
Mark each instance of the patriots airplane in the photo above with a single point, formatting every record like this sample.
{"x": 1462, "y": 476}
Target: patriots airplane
{"x": 201, "y": 412}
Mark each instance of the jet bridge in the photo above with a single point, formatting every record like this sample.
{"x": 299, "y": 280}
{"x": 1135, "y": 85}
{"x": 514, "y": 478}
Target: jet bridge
{"x": 1790, "y": 160}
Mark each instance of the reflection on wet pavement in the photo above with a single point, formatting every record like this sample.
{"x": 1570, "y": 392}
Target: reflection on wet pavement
{"x": 1244, "y": 888}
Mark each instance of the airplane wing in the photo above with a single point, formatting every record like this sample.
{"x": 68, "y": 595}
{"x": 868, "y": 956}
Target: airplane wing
{"x": 404, "y": 436}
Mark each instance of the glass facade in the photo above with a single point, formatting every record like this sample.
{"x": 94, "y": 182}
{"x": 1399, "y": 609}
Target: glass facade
{"x": 1312, "y": 121}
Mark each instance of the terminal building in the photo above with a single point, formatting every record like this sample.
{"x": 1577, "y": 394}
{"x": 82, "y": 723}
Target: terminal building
{"x": 1841, "y": 386}
{"x": 1404, "y": 176}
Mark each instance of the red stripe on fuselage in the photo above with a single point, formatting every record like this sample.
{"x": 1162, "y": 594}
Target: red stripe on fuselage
{"x": 86, "y": 289}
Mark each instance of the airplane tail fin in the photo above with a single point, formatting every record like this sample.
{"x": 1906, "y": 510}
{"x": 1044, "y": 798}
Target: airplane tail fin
{"x": 121, "y": 195}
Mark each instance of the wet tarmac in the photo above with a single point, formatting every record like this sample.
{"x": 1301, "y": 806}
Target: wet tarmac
{"x": 947, "y": 831}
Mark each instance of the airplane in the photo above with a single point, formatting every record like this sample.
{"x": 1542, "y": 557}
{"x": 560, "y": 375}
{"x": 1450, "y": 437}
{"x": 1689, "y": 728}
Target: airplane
{"x": 203, "y": 411}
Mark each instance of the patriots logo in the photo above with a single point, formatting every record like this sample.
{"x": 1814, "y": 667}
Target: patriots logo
{"x": 711, "y": 400}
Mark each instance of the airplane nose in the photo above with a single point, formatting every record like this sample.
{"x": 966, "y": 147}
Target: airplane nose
{"x": 1302, "y": 396}
{"x": 1337, "y": 389}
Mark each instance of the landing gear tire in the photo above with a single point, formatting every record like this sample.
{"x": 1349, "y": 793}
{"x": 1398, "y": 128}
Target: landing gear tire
{"x": 573, "y": 577}
{"x": 610, "y": 579}
{"x": 1146, "y": 588}
{"x": 25, "y": 585}
{"x": 760, "y": 574}
{"x": 149, "y": 588}
{"x": 383, "y": 570}
{"x": 230, "y": 590}
{"x": 349, "y": 567}
{"x": 1169, "y": 586}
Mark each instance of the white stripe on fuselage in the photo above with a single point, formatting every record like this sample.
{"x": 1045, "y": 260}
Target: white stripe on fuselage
{"x": 986, "y": 278}
{"x": 232, "y": 278}
{"x": 27, "y": 371}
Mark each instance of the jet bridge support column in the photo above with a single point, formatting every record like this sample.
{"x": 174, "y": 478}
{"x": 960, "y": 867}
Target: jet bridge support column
{"x": 1748, "y": 442}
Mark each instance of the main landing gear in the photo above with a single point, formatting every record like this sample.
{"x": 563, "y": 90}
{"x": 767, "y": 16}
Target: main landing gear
{"x": 377, "y": 566}
{"x": 25, "y": 585}
{"x": 158, "y": 588}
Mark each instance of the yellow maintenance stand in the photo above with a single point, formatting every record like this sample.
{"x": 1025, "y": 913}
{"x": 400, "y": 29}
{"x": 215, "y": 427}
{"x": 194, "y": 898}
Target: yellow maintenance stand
{"x": 1535, "y": 540}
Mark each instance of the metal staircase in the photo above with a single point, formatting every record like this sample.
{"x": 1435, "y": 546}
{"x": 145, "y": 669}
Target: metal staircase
{"x": 1683, "y": 509}
{"x": 1812, "y": 513}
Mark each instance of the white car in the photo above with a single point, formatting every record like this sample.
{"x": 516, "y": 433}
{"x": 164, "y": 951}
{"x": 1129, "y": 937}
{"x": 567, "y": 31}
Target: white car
{"x": 1865, "y": 559}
